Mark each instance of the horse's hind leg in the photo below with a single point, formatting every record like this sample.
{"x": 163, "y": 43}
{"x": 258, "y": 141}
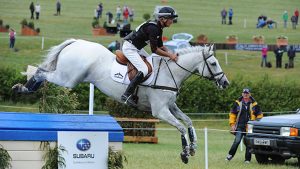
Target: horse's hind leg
{"x": 32, "y": 84}
{"x": 165, "y": 115}
{"x": 188, "y": 122}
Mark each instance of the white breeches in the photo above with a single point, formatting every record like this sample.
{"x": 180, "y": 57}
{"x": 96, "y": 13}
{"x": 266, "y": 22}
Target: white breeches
{"x": 133, "y": 55}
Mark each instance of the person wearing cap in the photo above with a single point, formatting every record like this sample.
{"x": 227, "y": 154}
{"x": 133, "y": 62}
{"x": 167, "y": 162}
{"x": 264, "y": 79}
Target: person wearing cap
{"x": 149, "y": 32}
{"x": 245, "y": 108}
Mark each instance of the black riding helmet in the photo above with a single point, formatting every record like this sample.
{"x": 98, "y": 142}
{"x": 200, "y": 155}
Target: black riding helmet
{"x": 167, "y": 12}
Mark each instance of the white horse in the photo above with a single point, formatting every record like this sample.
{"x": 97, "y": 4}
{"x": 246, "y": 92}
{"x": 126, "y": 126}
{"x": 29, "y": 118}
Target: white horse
{"x": 76, "y": 61}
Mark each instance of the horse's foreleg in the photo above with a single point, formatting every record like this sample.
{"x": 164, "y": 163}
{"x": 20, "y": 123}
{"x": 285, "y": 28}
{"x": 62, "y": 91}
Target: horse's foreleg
{"x": 165, "y": 115}
{"x": 191, "y": 130}
{"x": 32, "y": 84}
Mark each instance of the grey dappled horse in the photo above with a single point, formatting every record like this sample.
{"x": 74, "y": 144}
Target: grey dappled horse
{"x": 75, "y": 61}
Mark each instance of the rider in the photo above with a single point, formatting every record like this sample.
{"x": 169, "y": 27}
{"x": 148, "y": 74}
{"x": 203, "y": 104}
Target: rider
{"x": 147, "y": 32}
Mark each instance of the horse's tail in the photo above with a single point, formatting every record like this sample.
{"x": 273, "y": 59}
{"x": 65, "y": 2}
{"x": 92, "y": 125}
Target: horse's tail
{"x": 50, "y": 61}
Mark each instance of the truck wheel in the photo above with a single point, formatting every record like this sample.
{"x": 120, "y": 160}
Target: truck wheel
{"x": 262, "y": 158}
{"x": 277, "y": 159}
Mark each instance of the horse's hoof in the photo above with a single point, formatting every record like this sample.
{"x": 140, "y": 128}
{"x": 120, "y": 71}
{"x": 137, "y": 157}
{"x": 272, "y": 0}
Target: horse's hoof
{"x": 19, "y": 88}
{"x": 193, "y": 148}
{"x": 184, "y": 157}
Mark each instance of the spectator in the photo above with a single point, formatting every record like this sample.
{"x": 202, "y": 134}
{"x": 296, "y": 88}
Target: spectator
{"x": 118, "y": 12}
{"x": 224, "y": 15}
{"x": 291, "y": 54}
{"x": 31, "y": 7}
{"x": 125, "y": 15}
{"x": 278, "y": 54}
{"x": 58, "y": 7}
{"x": 285, "y": 17}
{"x": 131, "y": 14}
{"x": 296, "y": 13}
{"x": 294, "y": 21}
{"x": 12, "y": 38}
{"x": 100, "y": 10}
{"x": 271, "y": 24}
{"x": 230, "y": 15}
{"x": 245, "y": 108}
{"x": 264, "y": 54}
{"x": 37, "y": 11}
{"x": 261, "y": 23}
{"x": 109, "y": 17}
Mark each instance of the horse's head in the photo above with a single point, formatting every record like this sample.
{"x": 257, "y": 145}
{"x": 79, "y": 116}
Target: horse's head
{"x": 211, "y": 69}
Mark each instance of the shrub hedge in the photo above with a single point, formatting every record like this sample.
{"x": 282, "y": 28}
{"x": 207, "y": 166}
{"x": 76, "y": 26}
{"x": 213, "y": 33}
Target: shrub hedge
{"x": 195, "y": 95}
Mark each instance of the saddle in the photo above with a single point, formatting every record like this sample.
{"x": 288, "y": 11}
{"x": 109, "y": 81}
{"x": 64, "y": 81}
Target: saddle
{"x": 131, "y": 70}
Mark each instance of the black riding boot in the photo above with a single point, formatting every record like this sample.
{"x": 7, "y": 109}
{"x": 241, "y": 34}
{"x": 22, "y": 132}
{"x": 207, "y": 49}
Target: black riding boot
{"x": 127, "y": 96}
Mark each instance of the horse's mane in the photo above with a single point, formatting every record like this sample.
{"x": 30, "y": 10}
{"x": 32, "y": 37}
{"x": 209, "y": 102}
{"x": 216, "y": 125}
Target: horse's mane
{"x": 192, "y": 49}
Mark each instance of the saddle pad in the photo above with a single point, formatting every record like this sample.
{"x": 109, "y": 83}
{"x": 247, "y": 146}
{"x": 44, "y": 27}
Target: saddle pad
{"x": 119, "y": 72}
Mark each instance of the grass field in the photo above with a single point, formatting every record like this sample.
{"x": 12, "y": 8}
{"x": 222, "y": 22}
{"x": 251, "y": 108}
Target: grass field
{"x": 196, "y": 17}
{"x": 165, "y": 155}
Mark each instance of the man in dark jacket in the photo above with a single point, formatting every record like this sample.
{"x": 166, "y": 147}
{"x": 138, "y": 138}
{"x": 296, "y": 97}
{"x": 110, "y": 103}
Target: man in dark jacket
{"x": 278, "y": 54}
{"x": 291, "y": 54}
{"x": 245, "y": 108}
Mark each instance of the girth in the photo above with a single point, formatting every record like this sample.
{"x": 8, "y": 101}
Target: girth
{"x": 131, "y": 70}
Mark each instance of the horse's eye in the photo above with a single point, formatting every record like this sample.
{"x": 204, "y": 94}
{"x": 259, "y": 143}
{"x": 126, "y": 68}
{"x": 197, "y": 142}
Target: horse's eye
{"x": 213, "y": 63}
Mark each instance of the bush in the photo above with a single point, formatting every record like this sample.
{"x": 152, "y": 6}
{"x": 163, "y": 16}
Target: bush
{"x": 95, "y": 23}
{"x": 10, "y": 77}
{"x": 1, "y": 22}
{"x": 146, "y": 16}
{"x": 31, "y": 25}
{"x": 6, "y": 26}
{"x": 57, "y": 99}
{"x": 116, "y": 159}
{"x": 24, "y": 22}
{"x": 38, "y": 30}
{"x": 53, "y": 157}
{"x": 5, "y": 158}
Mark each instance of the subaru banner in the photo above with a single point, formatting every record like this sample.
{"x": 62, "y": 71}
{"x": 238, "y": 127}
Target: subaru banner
{"x": 88, "y": 150}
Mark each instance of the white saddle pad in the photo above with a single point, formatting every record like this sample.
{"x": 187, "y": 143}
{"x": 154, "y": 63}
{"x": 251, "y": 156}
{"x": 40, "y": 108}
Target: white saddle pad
{"x": 119, "y": 73}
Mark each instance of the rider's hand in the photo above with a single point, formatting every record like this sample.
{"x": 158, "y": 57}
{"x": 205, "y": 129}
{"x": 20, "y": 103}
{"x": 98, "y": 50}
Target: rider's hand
{"x": 173, "y": 57}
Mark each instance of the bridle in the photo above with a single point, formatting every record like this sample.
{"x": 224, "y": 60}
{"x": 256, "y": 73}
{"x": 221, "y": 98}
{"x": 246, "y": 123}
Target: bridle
{"x": 211, "y": 78}
{"x": 213, "y": 75}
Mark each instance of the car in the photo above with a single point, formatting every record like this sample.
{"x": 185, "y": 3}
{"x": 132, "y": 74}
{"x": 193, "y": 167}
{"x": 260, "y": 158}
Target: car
{"x": 156, "y": 10}
{"x": 274, "y": 139}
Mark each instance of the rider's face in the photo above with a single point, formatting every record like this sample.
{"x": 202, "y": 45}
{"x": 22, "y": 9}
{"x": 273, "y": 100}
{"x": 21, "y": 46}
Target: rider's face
{"x": 169, "y": 22}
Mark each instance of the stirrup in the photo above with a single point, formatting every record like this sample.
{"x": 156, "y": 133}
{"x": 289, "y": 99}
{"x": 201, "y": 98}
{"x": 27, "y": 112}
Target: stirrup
{"x": 128, "y": 100}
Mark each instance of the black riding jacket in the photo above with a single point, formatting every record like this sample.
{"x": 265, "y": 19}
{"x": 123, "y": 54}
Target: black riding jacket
{"x": 147, "y": 32}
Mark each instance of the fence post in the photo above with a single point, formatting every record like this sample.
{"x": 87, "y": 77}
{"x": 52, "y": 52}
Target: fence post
{"x": 43, "y": 43}
{"x": 226, "y": 60}
{"x": 206, "y": 148}
{"x": 91, "y": 100}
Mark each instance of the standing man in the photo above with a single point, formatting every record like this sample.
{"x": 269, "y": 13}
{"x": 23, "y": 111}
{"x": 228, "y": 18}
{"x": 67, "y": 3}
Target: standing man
{"x": 58, "y": 7}
{"x": 291, "y": 54}
{"x": 245, "y": 108}
{"x": 296, "y": 13}
{"x": 224, "y": 15}
{"x": 285, "y": 17}
{"x": 148, "y": 32}
{"x": 31, "y": 8}
{"x": 230, "y": 15}
{"x": 278, "y": 54}
{"x": 37, "y": 11}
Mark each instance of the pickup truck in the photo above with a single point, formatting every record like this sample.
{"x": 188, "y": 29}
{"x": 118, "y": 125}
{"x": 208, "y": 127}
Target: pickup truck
{"x": 274, "y": 139}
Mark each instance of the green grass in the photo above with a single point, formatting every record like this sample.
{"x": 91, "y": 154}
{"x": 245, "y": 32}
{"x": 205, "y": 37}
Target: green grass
{"x": 165, "y": 155}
